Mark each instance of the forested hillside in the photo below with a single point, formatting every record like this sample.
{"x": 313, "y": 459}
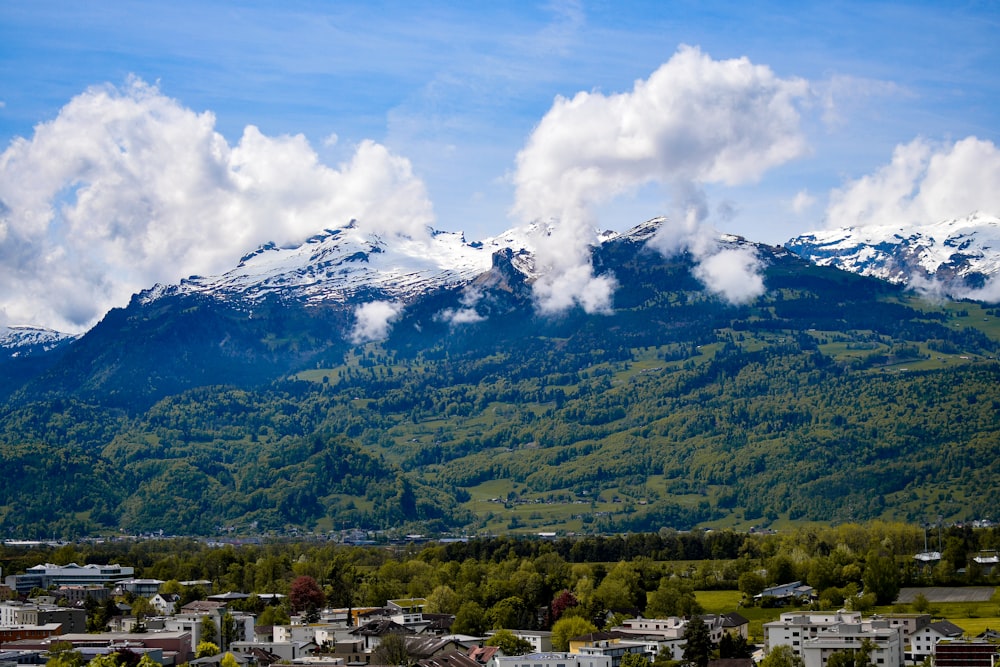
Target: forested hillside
{"x": 831, "y": 398}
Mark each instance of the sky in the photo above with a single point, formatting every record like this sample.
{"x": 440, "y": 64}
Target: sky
{"x": 147, "y": 141}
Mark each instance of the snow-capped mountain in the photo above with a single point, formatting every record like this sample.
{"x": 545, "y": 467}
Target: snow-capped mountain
{"x": 20, "y": 341}
{"x": 337, "y": 265}
{"x": 958, "y": 254}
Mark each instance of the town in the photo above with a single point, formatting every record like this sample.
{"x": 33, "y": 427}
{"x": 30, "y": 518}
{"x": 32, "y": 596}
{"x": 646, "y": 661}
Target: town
{"x": 71, "y": 614}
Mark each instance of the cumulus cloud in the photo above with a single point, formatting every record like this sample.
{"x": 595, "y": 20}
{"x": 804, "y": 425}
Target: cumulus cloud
{"x": 465, "y": 315}
{"x": 126, "y": 188}
{"x": 694, "y": 121}
{"x": 925, "y": 182}
{"x": 373, "y": 321}
{"x": 732, "y": 273}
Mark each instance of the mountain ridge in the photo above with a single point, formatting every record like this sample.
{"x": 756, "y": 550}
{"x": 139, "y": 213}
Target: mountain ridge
{"x": 832, "y": 396}
{"x": 959, "y": 254}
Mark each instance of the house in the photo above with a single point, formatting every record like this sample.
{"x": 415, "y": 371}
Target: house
{"x": 923, "y": 642}
{"x": 286, "y": 651}
{"x": 420, "y": 648}
{"x": 987, "y": 562}
{"x": 450, "y": 659}
{"x": 554, "y": 660}
{"x": 789, "y": 593}
{"x": 483, "y": 655}
{"x": 666, "y": 634}
{"x": 165, "y": 603}
{"x": 371, "y": 633}
{"x": 735, "y": 625}
{"x": 909, "y": 623}
{"x": 540, "y": 640}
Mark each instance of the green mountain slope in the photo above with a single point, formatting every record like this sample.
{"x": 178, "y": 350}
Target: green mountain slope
{"x": 831, "y": 398}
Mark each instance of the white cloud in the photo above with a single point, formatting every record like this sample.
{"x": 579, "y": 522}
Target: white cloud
{"x": 456, "y": 316}
{"x": 925, "y": 182}
{"x": 732, "y": 273}
{"x": 693, "y": 121}
{"x": 802, "y": 202}
{"x": 126, "y": 188}
{"x": 373, "y": 321}
{"x": 466, "y": 315}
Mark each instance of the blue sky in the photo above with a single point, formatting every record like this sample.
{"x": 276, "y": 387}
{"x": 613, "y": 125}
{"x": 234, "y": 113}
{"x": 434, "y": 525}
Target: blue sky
{"x": 458, "y": 90}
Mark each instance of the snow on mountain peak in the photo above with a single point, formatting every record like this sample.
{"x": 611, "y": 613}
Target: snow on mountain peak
{"x": 21, "y": 340}
{"x": 959, "y": 253}
{"x": 337, "y": 264}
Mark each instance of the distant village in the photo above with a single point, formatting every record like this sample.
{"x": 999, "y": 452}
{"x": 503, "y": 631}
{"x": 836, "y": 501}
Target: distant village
{"x": 44, "y": 613}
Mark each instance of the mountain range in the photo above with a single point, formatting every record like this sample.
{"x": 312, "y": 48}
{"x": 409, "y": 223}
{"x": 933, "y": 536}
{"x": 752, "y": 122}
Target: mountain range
{"x": 256, "y": 399}
{"x": 960, "y": 255}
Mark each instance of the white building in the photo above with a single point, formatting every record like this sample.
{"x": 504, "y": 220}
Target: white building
{"x": 792, "y": 628}
{"x": 923, "y": 642}
{"x": 48, "y": 575}
{"x": 887, "y": 643}
{"x": 555, "y": 660}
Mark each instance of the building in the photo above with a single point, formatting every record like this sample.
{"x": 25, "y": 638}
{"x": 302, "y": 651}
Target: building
{"x": 53, "y": 576}
{"x": 787, "y": 593}
{"x": 80, "y": 594}
{"x": 554, "y": 660}
{"x": 923, "y": 642}
{"x": 971, "y": 653}
{"x": 25, "y": 614}
{"x": 792, "y": 628}
{"x": 145, "y": 588}
{"x": 887, "y": 647}
{"x": 614, "y": 645}
{"x": 18, "y": 633}
{"x": 540, "y": 640}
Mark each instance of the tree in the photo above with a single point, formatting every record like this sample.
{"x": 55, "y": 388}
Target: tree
{"x": 751, "y": 584}
{"x": 698, "y": 645}
{"x": 782, "y": 656}
{"x": 672, "y": 598}
{"x": 62, "y": 654}
{"x": 567, "y": 628}
{"x": 861, "y": 657}
{"x": 142, "y": 607}
{"x": 391, "y": 650}
{"x": 105, "y": 660}
{"x": 881, "y": 577}
{"x": 228, "y": 660}
{"x": 146, "y": 661}
{"x": 506, "y": 613}
{"x": 306, "y": 597}
{"x": 443, "y": 600}
{"x": 921, "y": 604}
{"x": 734, "y": 646}
{"x": 509, "y": 643}
{"x": 470, "y": 619}
{"x": 274, "y": 615}
{"x": 561, "y": 602}
{"x": 635, "y": 660}
{"x": 206, "y": 649}
{"x": 209, "y": 631}
{"x": 228, "y": 632}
